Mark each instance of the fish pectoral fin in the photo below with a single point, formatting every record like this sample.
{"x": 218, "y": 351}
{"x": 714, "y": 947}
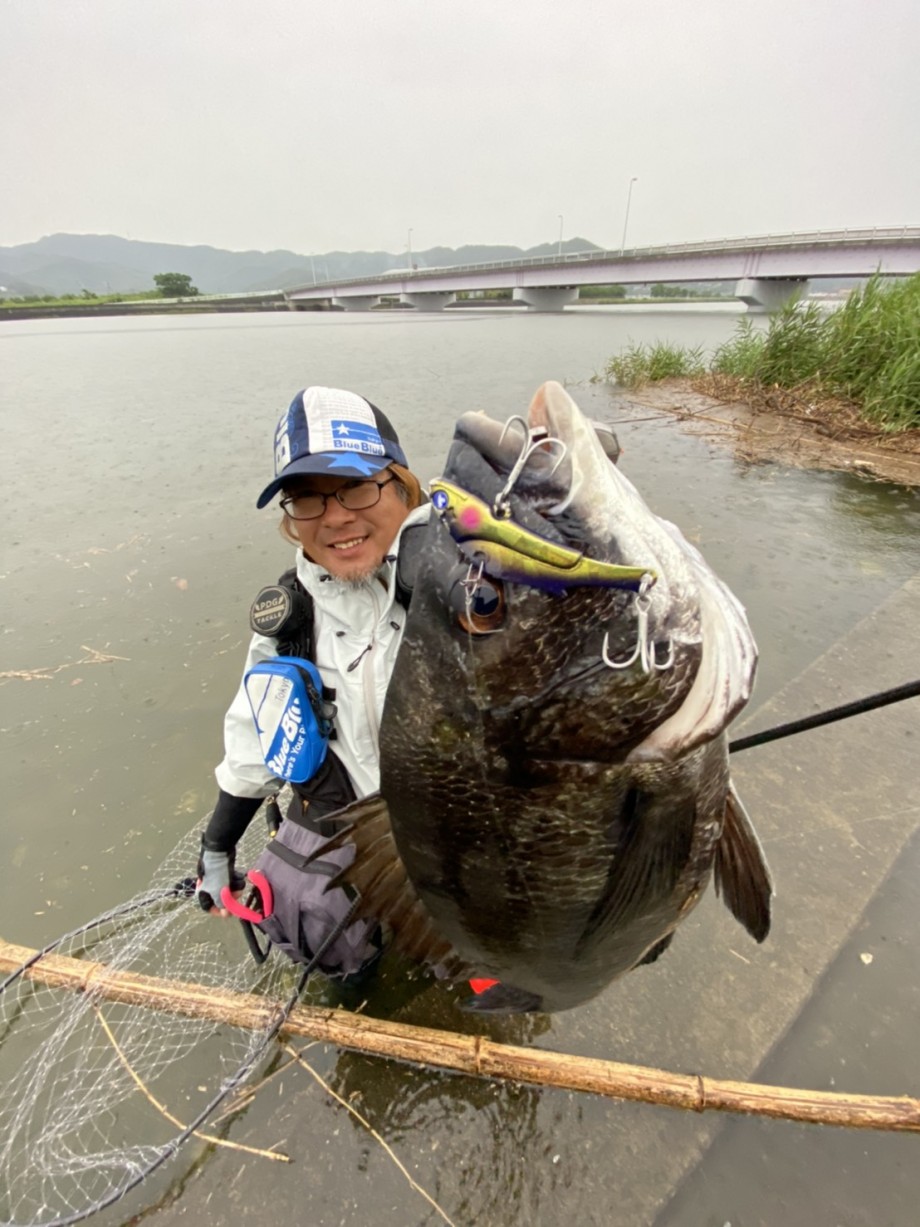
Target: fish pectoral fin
{"x": 653, "y": 844}
{"x": 742, "y": 876}
{"x": 503, "y": 999}
{"x": 386, "y": 893}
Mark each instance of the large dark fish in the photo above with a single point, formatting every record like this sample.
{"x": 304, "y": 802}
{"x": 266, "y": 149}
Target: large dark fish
{"x": 554, "y": 769}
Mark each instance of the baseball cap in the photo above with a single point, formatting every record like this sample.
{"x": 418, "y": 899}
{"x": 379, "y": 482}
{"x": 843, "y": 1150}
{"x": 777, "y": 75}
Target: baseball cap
{"x": 333, "y": 432}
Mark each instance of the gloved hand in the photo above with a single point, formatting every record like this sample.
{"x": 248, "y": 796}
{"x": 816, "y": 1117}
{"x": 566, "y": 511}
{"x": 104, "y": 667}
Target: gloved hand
{"x": 215, "y": 871}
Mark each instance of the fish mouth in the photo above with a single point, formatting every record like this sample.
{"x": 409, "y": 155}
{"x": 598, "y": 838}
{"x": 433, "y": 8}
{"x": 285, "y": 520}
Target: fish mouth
{"x": 563, "y": 446}
{"x": 501, "y": 444}
{"x": 497, "y": 442}
{"x": 513, "y": 497}
{"x": 542, "y": 466}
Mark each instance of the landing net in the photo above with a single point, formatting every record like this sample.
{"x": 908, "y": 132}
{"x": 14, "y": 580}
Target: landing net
{"x": 76, "y": 1129}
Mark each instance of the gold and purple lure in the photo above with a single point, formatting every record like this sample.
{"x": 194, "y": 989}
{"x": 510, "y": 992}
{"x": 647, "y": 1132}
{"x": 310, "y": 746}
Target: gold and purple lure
{"x": 514, "y": 553}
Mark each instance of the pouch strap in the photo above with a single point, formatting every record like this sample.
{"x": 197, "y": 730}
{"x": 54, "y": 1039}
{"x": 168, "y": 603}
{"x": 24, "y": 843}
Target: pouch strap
{"x": 297, "y": 861}
{"x": 327, "y": 869}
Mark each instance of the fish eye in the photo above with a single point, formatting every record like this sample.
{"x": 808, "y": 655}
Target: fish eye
{"x": 479, "y": 605}
{"x": 486, "y": 610}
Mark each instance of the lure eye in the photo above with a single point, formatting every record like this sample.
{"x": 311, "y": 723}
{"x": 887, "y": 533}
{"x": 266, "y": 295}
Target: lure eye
{"x": 478, "y": 602}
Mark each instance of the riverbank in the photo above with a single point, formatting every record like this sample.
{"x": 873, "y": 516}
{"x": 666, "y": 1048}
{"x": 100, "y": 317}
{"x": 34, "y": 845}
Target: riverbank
{"x": 199, "y": 306}
{"x": 185, "y": 306}
{"x": 815, "y": 390}
{"x": 777, "y": 425}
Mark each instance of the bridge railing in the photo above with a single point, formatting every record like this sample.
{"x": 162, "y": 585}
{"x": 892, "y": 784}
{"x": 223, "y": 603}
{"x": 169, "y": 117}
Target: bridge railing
{"x": 805, "y": 238}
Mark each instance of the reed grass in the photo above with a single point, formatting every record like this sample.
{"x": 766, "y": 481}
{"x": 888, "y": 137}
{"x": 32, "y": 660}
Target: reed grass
{"x": 867, "y": 352}
{"x": 640, "y": 364}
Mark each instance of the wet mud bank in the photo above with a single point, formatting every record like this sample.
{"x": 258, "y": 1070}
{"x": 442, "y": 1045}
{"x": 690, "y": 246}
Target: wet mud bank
{"x": 789, "y": 432}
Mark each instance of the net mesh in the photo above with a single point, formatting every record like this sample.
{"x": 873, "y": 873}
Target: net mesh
{"x": 77, "y": 1129}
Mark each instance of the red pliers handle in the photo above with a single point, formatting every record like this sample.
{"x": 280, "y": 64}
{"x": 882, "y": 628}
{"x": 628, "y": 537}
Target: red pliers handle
{"x": 261, "y": 892}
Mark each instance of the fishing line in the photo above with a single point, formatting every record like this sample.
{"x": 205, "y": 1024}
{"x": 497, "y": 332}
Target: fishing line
{"x": 882, "y": 698}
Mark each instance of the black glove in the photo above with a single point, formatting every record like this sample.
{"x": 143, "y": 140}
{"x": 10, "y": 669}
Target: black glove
{"x": 215, "y": 871}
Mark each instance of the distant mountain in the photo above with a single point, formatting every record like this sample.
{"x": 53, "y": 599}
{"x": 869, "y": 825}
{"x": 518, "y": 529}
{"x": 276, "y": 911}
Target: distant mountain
{"x": 106, "y": 263}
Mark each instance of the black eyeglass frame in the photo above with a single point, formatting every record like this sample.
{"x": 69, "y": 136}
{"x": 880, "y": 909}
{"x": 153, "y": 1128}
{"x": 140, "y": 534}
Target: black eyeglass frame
{"x": 337, "y": 495}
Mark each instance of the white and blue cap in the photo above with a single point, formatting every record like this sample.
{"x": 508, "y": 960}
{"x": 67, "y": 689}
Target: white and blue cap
{"x": 332, "y": 432}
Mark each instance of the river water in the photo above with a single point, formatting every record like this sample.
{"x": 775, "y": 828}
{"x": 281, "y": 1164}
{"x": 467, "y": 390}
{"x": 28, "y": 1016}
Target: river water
{"x": 133, "y": 450}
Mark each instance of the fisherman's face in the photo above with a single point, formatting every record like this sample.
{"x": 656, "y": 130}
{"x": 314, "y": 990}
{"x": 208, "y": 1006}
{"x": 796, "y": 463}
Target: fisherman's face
{"x": 349, "y": 544}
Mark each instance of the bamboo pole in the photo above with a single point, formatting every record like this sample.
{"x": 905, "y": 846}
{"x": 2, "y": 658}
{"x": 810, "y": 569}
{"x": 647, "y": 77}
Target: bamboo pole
{"x": 472, "y": 1055}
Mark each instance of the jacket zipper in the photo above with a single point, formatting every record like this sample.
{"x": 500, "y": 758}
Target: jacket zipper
{"x": 367, "y": 678}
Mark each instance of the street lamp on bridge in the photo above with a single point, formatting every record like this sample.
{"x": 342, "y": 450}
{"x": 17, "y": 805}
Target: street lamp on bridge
{"x": 559, "y": 247}
{"x": 409, "y": 246}
{"x": 633, "y": 180}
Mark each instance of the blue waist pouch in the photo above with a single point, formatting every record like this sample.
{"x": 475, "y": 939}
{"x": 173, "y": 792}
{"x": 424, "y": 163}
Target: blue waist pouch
{"x": 292, "y": 714}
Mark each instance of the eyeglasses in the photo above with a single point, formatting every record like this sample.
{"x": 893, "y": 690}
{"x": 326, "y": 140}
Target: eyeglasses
{"x": 354, "y": 496}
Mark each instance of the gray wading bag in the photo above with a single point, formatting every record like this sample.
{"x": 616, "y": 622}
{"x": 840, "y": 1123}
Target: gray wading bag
{"x": 304, "y": 913}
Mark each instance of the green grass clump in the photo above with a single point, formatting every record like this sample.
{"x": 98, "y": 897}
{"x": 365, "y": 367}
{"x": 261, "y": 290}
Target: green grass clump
{"x": 648, "y": 363}
{"x": 742, "y": 354}
{"x": 873, "y": 351}
{"x": 867, "y": 352}
{"x": 790, "y": 352}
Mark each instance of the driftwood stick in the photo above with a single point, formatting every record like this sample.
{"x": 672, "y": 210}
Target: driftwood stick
{"x": 472, "y": 1055}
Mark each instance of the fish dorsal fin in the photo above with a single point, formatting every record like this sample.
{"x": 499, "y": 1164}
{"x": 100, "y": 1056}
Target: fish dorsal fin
{"x": 742, "y": 876}
{"x": 386, "y": 894}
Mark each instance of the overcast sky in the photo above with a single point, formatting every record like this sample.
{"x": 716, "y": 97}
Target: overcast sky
{"x": 318, "y": 125}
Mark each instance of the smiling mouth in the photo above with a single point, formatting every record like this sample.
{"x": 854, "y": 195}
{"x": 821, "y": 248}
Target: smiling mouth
{"x": 348, "y": 545}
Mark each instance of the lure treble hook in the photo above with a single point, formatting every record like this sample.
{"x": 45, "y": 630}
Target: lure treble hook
{"x": 471, "y": 582}
{"x": 646, "y": 650}
{"x": 536, "y": 438}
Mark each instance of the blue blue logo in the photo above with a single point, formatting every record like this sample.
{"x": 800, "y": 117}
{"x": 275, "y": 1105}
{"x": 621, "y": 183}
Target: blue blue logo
{"x": 356, "y": 436}
{"x": 440, "y": 500}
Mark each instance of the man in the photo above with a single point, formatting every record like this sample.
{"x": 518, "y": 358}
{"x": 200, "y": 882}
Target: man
{"x": 347, "y": 500}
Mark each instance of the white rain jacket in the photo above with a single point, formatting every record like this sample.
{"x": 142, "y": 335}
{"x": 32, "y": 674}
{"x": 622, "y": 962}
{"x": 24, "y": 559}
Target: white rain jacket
{"x": 352, "y": 623}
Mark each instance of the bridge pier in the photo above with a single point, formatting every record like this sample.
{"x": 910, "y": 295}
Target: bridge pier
{"x": 357, "y": 302}
{"x": 310, "y": 304}
{"x": 769, "y": 293}
{"x": 546, "y": 298}
{"x": 429, "y": 300}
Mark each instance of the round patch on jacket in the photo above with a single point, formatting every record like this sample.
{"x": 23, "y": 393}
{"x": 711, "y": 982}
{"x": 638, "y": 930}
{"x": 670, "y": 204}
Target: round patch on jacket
{"x": 271, "y": 610}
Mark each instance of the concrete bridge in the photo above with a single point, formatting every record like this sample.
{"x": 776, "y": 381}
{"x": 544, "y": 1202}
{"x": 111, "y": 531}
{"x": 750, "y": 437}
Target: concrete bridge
{"x": 767, "y": 270}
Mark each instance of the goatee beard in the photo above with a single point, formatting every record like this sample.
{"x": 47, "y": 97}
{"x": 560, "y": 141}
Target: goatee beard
{"x": 358, "y": 579}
